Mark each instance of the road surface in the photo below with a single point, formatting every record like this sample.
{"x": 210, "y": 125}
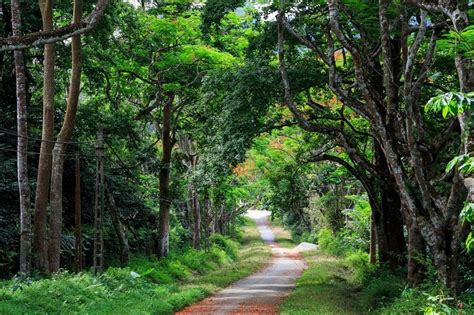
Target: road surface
{"x": 261, "y": 292}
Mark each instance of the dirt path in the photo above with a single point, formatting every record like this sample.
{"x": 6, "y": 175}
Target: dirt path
{"x": 262, "y": 292}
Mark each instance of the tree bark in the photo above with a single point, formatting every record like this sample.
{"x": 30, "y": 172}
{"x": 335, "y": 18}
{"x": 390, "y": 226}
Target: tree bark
{"x": 373, "y": 241}
{"x": 391, "y": 241}
{"x": 119, "y": 228}
{"x": 78, "y": 263}
{"x": 196, "y": 220}
{"x": 22, "y": 149}
{"x": 50, "y": 36}
{"x": 392, "y": 227}
{"x": 44, "y": 164}
{"x": 59, "y": 151}
{"x": 98, "y": 253}
{"x": 190, "y": 161}
{"x": 416, "y": 253}
{"x": 164, "y": 176}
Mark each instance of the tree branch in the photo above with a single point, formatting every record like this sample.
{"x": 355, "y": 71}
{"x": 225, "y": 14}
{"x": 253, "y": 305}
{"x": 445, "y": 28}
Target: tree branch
{"x": 40, "y": 38}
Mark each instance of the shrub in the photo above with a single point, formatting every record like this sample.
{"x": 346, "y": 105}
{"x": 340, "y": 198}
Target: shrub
{"x": 226, "y": 244}
{"x": 151, "y": 269}
{"x": 178, "y": 270}
{"x": 429, "y": 298}
{"x": 196, "y": 260}
{"x": 382, "y": 287}
{"x": 331, "y": 244}
{"x": 358, "y": 264}
{"x": 308, "y": 237}
{"x": 218, "y": 255}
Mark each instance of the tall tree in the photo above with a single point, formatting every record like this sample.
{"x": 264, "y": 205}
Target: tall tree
{"x": 22, "y": 148}
{"x": 47, "y": 141}
{"x": 59, "y": 151}
{"x": 167, "y": 144}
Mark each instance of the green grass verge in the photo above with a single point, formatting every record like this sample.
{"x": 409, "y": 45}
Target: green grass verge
{"x": 162, "y": 286}
{"x": 323, "y": 288}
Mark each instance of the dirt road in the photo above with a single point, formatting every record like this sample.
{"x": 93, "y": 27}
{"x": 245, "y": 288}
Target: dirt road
{"x": 262, "y": 292}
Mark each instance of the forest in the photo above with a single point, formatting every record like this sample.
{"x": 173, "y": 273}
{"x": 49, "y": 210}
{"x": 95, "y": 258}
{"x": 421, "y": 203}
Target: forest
{"x": 154, "y": 153}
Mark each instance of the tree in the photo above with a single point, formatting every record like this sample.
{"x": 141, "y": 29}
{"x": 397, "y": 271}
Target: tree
{"x": 22, "y": 154}
{"x": 394, "y": 115}
{"x": 47, "y": 141}
{"x": 50, "y": 36}
{"x": 59, "y": 150}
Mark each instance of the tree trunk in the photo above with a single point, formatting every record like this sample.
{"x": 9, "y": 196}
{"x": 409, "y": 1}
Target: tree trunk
{"x": 186, "y": 146}
{"x": 416, "y": 252}
{"x": 44, "y": 164}
{"x": 165, "y": 196}
{"x": 207, "y": 224}
{"x": 119, "y": 228}
{"x": 77, "y": 216}
{"x": 196, "y": 220}
{"x": 98, "y": 253}
{"x": 373, "y": 241}
{"x": 392, "y": 222}
{"x": 389, "y": 223}
{"x": 59, "y": 151}
{"x": 22, "y": 149}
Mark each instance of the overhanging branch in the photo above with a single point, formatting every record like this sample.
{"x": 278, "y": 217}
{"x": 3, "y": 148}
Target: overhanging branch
{"x": 49, "y": 37}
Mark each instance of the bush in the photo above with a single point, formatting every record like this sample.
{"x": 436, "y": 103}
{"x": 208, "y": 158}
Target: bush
{"x": 226, "y": 244}
{"x": 429, "y": 298}
{"x": 308, "y": 237}
{"x": 380, "y": 287}
{"x": 331, "y": 244}
{"x": 358, "y": 264}
{"x": 196, "y": 260}
{"x": 218, "y": 255}
{"x": 178, "y": 270}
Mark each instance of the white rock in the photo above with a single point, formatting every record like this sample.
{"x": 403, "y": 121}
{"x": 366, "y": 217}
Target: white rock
{"x": 305, "y": 246}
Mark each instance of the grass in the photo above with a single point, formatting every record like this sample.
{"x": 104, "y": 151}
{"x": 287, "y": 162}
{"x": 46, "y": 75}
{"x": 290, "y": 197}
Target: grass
{"x": 145, "y": 287}
{"x": 323, "y": 288}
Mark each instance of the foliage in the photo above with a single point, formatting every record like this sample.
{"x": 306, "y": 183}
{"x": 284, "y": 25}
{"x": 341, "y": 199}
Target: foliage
{"x": 331, "y": 244}
{"x": 358, "y": 264}
{"x": 428, "y": 300}
{"x": 451, "y": 103}
{"x": 225, "y": 244}
{"x": 146, "y": 286}
{"x": 461, "y": 42}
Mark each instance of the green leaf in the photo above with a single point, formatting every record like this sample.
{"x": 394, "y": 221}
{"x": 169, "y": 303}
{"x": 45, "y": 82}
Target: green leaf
{"x": 445, "y": 111}
{"x": 470, "y": 242}
{"x": 455, "y": 161}
{"x": 451, "y": 103}
{"x": 467, "y": 213}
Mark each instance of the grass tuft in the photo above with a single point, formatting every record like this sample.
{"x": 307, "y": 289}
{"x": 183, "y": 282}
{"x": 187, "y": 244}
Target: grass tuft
{"x": 323, "y": 288}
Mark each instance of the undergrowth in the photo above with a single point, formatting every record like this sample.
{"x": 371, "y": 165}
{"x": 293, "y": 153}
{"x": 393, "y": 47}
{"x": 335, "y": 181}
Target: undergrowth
{"x": 146, "y": 286}
{"x": 340, "y": 280}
